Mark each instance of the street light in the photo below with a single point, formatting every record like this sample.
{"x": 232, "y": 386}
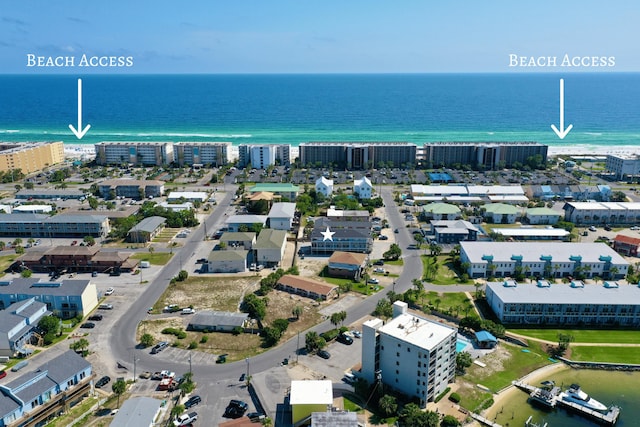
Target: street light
{"x": 247, "y": 360}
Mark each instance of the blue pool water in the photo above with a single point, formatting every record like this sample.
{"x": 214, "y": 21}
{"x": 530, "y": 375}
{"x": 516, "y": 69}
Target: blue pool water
{"x": 461, "y": 345}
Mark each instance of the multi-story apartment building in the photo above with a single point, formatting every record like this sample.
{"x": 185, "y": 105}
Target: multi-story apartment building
{"x": 261, "y": 156}
{"x": 35, "y": 397}
{"x": 17, "y": 324}
{"x": 348, "y": 236}
{"x": 30, "y": 156}
{"x": 64, "y": 298}
{"x": 548, "y": 259}
{"x": 623, "y": 166}
{"x": 617, "y": 213}
{"x": 410, "y": 354}
{"x": 209, "y": 154}
{"x": 136, "y": 153}
{"x": 358, "y": 155}
{"x": 131, "y": 188}
{"x": 602, "y": 305}
{"x": 485, "y": 155}
{"x": 62, "y": 225}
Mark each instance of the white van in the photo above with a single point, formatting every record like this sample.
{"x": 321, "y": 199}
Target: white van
{"x": 349, "y": 378}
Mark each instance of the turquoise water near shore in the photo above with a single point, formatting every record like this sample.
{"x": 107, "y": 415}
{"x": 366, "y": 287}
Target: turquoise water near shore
{"x": 292, "y": 109}
{"x": 609, "y": 387}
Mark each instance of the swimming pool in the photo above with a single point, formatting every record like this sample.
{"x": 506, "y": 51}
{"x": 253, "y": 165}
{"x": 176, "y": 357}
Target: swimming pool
{"x": 461, "y": 345}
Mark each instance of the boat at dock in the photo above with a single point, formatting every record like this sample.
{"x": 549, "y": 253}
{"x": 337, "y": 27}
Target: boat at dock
{"x": 576, "y": 395}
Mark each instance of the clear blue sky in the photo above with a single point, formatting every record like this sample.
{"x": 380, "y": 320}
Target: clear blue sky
{"x": 327, "y": 36}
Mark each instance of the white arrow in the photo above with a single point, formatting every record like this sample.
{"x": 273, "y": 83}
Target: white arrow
{"x": 79, "y": 133}
{"x": 562, "y": 132}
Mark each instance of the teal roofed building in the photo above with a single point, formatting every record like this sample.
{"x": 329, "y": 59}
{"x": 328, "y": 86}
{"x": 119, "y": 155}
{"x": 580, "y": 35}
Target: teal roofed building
{"x": 501, "y": 213}
{"x": 285, "y": 190}
{"x": 543, "y": 216}
{"x": 441, "y": 211}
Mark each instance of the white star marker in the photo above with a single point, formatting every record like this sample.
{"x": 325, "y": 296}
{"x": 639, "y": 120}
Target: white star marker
{"x": 327, "y": 235}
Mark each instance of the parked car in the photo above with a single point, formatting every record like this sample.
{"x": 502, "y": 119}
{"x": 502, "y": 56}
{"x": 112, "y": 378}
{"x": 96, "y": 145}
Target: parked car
{"x": 379, "y": 262}
{"x": 201, "y": 261}
{"x": 383, "y": 237}
{"x": 105, "y": 306}
{"x": 159, "y": 347}
{"x": 255, "y": 416}
{"x": 193, "y": 400}
{"x": 3, "y": 374}
{"x": 222, "y": 358}
{"x": 88, "y": 325}
{"x": 185, "y": 419}
{"x": 103, "y": 381}
{"x": 345, "y": 339}
{"x": 109, "y": 291}
{"x": 95, "y": 317}
{"x": 242, "y": 378}
{"x": 373, "y": 281}
{"x": 188, "y": 310}
{"x": 324, "y": 354}
{"x": 235, "y": 409}
{"x": 378, "y": 270}
{"x": 146, "y": 375}
{"x": 593, "y": 228}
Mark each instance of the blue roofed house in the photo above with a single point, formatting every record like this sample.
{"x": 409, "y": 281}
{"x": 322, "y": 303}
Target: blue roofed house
{"x": 37, "y": 396}
{"x": 17, "y": 323}
{"x": 485, "y": 339}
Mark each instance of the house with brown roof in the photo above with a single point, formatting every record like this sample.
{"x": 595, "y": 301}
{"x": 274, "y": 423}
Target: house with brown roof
{"x": 347, "y": 264}
{"x": 76, "y": 259}
{"x": 306, "y": 287}
{"x": 626, "y": 245}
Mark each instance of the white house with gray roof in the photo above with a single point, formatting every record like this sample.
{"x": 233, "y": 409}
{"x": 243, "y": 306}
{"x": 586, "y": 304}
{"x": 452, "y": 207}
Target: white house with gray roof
{"x": 217, "y": 321}
{"x": 269, "y": 247}
{"x": 146, "y": 230}
{"x": 245, "y": 222}
{"x": 138, "y": 411}
{"x": 609, "y": 304}
{"x": 324, "y": 186}
{"x": 542, "y": 259}
{"x": 230, "y": 261}
{"x": 37, "y": 396}
{"x": 281, "y": 216}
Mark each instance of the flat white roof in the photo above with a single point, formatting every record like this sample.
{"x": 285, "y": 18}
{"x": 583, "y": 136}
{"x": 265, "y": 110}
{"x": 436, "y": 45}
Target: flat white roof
{"x": 495, "y": 189}
{"x": 617, "y": 206}
{"x": 510, "y": 198}
{"x": 531, "y": 252}
{"x": 533, "y": 232}
{"x": 416, "y": 331}
{"x": 189, "y": 195}
{"x": 438, "y": 189}
{"x": 311, "y": 392}
{"x": 529, "y": 293}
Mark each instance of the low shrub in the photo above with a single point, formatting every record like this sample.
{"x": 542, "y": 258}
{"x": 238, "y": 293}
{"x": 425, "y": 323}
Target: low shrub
{"x": 454, "y": 397}
{"x": 443, "y": 394}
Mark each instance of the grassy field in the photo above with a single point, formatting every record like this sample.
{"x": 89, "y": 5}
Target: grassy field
{"x": 583, "y": 335}
{"x": 605, "y": 354}
{"x": 445, "y": 275}
{"x": 456, "y": 302}
{"x": 506, "y": 364}
{"x": 6, "y": 261}
{"x": 160, "y": 258}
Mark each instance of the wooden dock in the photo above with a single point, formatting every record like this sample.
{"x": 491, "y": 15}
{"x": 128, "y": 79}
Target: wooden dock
{"x": 552, "y": 398}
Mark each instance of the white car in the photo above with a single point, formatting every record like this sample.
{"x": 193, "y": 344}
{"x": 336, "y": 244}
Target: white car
{"x": 185, "y": 419}
{"x": 109, "y": 291}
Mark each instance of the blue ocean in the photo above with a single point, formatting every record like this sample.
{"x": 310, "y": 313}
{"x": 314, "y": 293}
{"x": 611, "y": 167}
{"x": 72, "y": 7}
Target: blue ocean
{"x": 604, "y": 108}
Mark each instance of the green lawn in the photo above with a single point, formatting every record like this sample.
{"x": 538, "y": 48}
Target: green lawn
{"x": 160, "y": 258}
{"x": 519, "y": 364}
{"x": 605, "y": 354}
{"x": 6, "y": 261}
{"x": 395, "y": 262}
{"x": 583, "y": 335}
{"x": 443, "y": 302}
{"x": 445, "y": 274}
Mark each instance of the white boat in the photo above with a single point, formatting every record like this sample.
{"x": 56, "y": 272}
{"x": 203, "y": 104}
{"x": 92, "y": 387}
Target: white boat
{"x": 576, "y": 395}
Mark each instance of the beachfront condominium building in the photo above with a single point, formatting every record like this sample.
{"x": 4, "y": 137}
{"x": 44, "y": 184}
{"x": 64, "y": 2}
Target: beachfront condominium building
{"x": 358, "y": 155}
{"x": 209, "y": 154}
{"x": 136, "y": 153}
{"x": 623, "y": 166}
{"x": 30, "y": 156}
{"x": 410, "y": 354}
{"x": 548, "y": 259}
{"x": 565, "y": 304}
{"x": 483, "y": 155}
{"x": 131, "y": 188}
{"x": 261, "y": 156}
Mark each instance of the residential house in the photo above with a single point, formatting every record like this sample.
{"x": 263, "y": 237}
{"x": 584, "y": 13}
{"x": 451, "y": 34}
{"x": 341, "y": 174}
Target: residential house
{"x": 284, "y": 190}
{"x": 217, "y": 321}
{"x": 233, "y": 240}
{"x": 34, "y": 398}
{"x": 440, "y": 211}
{"x": 281, "y": 216}
{"x": 348, "y": 236}
{"x": 17, "y": 324}
{"x": 146, "y": 230}
{"x": 544, "y": 216}
{"x": 245, "y": 222}
{"x": 363, "y": 188}
{"x": 500, "y": 213}
{"x": 324, "y": 186}
{"x": 138, "y": 411}
{"x": 306, "y": 287}
{"x": 309, "y": 396}
{"x": 445, "y": 231}
{"x": 347, "y": 264}
{"x": 229, "y": 261}
{"x": 269, "y": 247}
{"x": 626, "y": 245}
{"x": 130, "y": 188}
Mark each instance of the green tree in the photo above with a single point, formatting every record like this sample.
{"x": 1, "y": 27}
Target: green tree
{"x": 26, "y": 273}
{"x": 388, "y": 405}
{"x": 182, "y": 276}
{"x": 383, "y": 309}
{"x": 449, "y": 421}
{"x": 177, "y": 410}
{"x": 89, "y": 240}
{"x": 297, "y": 311}
{"x": 147, "y": 340}
{"x": 463, "y": 361}
{"x": 256, "y": 307}
{"x": 393, "y": 253}
{"x": 314, "y": 342}
{"x": 93, "y": 202}
{"x": 80, "y": 345}
{"x": 412, "y": 416}
{"x": 119, "y": 388}
{"x": 187, "y": 385}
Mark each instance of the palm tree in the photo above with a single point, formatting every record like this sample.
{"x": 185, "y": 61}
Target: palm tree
{"x": 119, "y": 388}
{"x": 388, "y": 404}
{"x": 297, "y": 311}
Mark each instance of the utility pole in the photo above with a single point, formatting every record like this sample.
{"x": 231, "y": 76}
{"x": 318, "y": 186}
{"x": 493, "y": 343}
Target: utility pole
{"x": 298, "y": 348}
{"x": 190, "y": 372}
